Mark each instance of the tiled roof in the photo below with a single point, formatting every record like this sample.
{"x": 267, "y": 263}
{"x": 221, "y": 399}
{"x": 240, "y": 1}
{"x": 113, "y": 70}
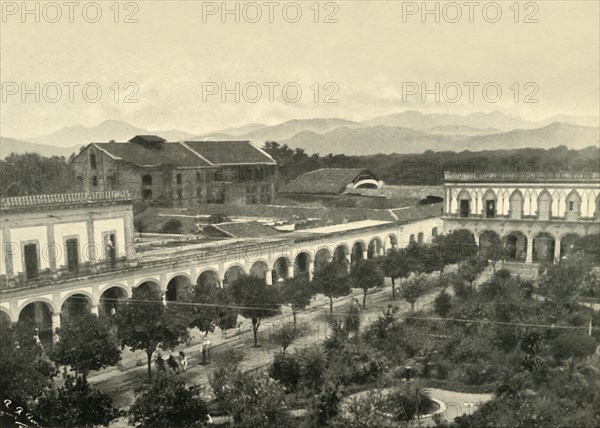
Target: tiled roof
{"x": 229, "y": 152}
{"x": 250, "y": 229}
{"x": 324, "y": 181}
{"x": 160, "y": 154}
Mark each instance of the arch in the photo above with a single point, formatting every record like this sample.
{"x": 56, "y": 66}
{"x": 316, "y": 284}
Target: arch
{"x": 566, "y": 243}
{"x": 322, "y": 257}
{"x": 123, "y": 287}
{"x": 515, "y": 246}
{"x": 209, "y": 277}
{"x": 490, "y": 201}
{"x": 148, "y": 279}
{"x": 281, "y": 269}
{"x": 485, "y": 238}
{"x": 375, "y": 248}
{"x": 184, "y": 274}
{"x": 112, "y": 299}
{"x": 38, "y": 315}
{"x": 53, "y": 307}
{"x": 75, "y": 307}
{"x": 302, "y": 263}
{"x": 368, "y": 183}
{"x": 259, "y": 269}
{"x": 85, "y": 293}
{"x": 543, "y": 248}
{"x": 340, "y": 254}
{"x": 151, "y": 286}
{"x": 464, "y": 203}
{"x": 234, "y": 272}
{"x": 358, "y": 252}
{"x": 515, "y": 203}
{"x": 544, "y": 205}
{"x": 5, "y": 317}
{"x": 573, "y": 206}
{"x": 390, "y": 242}
{"x": 179, "y": 289}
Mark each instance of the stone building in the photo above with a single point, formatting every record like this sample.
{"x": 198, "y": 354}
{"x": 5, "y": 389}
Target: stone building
{"x": 538, "y": 216}
{"x": 156, "y": 172}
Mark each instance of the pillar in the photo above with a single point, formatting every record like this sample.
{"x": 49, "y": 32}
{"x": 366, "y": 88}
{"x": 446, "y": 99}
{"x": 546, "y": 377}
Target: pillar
{"x": 7, "y": 251}
{"x": 51, "y": 247}
{"x": 94, "y": 310}
{"x": 365, "y": 254}
{"x": 556, "y": 250}
{"x": 349, "y": 258}
{"x": 55, "y": 325}
{"x": 269, "y": 277}
{"x": 290, "y": 271}
{"x": 311, "y": 270}
{"x": 529, "y": 253}
{"x": 90, "y": 238}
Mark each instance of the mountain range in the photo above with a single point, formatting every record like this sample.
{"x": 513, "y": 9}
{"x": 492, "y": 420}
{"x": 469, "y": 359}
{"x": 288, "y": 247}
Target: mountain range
{"x": 405, "y": 132}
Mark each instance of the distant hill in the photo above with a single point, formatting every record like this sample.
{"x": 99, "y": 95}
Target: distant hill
{"x": 105, "y": 131}
{"x": 11, "y": 145}
{"x": 461, "y": 130}
{"x": 385, "y": 139}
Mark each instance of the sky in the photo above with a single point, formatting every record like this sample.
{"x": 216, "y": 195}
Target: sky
{"x": 169, "y": 70}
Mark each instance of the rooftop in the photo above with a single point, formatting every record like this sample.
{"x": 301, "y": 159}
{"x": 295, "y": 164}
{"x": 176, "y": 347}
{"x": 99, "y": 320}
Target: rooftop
{"x": 522, "y": 177}
{"x": 64, "y": 199}
{"x": 326, "y": 181}
{"x": 247, "y": 229}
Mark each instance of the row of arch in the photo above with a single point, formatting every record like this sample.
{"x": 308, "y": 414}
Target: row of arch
{"x": 46, "y": 315}
{"x": 516, "y": 204}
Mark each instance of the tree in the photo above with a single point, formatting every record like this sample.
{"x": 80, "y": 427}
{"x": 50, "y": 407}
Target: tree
{"x": 252, "y": 399}
{"x": 472, "y": 268}
{"x": 569, "y": 345}
{"x": 87, "y": 345}
{"x": 167, "y": 402}
{"x": 258, "y": 300}
{"x": 412, "y": 289}
{"x": 442, "y": 303}
{"x": 312, "y": 366}
{"x": 297, "y": 292}
{"x": 75, "y": 405}
{"x": 366, "y": 274}
{"x": 395, "y": 265}
{"x": 146, "y": 323}
{"x": 212, "y": 308}
{"x": 286, "y": 334}
{"x": 332, "y": 281}
{"x": 25, "y": 368}
{"x": 492, "y": 250}
{"x": 455, "y": 246}
{"x": 285, "y": 368}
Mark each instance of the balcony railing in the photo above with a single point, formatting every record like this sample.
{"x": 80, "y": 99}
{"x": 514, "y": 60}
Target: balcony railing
{"x": 524, "y": 176}
{"x": 64, "y": 198}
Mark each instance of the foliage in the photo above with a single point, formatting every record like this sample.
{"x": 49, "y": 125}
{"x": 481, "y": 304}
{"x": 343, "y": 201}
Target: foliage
{"x": 25, "y": 369}
{"x": 75, "y": 405}
{"x": 285, "y": 368}
{"x": 312, "y": 367}
{"x": 492, "y": 250}
{"x": 172, "y": 225}
{"x": 258, "y": 299}
{"x": 218, "y": 218}
{"x": 570, "y": 345}
{"x": 395, "y": 265}
{"x": 146, "y": 323}
{"x": 366, "y": 274}
{"x": 442, "y": 303}
{"x": 167, "y": 402}
{"x": 33, "y": 174}
{"x": 412, "y": 289}
{"x": 455, "y": 247}
{"x": 332, "y": 281}
{"x": 212, "y": 310}
{"x": 86, "y": 345}
{"x": 252, "y": 399}
{"x": 297, "y": 292}
{"x": 285, "y": 335}
{"x": 472, "y": 267}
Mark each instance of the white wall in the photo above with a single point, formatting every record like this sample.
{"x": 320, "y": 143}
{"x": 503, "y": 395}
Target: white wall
{"x": 23, "y": 234}
{"x": 111, "y": 225}
{"x": 62, "y": 230}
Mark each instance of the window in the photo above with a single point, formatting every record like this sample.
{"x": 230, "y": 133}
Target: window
{"x": 412, "y": 238}
{"x": 571, "y": 206}
{"x": 147, "y": 180}
{"x": 147, "y": 194}
{"x": 92, "y": 159}
{"x": 420, "y": 238}
{"x": 72, "y": 254}
{"x": 179, "y": 179}
{"x": 180, "y": 194}
{"x": 94, "y": 181}
{"x": 490, "y": 209}
{"x": 111, "y": 181}
{"x": 434, "y": 231}
{"x": 30, "y": 255}
{"x": 199, "y": 178}
{"x": 464, "y": 208}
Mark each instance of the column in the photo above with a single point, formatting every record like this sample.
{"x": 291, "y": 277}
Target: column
{"x": 90, "y": 240}
{"x": 311, "y": 270}
{"x": 52, "y": 247}
{"x": 269, "y": 277}
{"x": 529, "y": 253}
{"x": 365, "y": 254}
{"x": 94, "y": 310}
{"x": 129, "y": 235}
{"x": 291, "y": 271}
{"x": 55, "y": 325}
{"x": 556, "y": 250}
{"x": 8, "y": 251}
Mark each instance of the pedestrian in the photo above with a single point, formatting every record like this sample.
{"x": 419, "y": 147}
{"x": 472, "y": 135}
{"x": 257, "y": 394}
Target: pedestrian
{"x": 160, "y": 363}
{"x": 172, "y": 363}
{"x": 183, "y": 360}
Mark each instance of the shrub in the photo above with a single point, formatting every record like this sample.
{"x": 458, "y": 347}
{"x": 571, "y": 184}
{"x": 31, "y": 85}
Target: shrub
{"x": 442, "y": 303}
{"x": 172, "y": 225}
{"x": 286, "y": 369}
{"x": 569, "y": 345}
